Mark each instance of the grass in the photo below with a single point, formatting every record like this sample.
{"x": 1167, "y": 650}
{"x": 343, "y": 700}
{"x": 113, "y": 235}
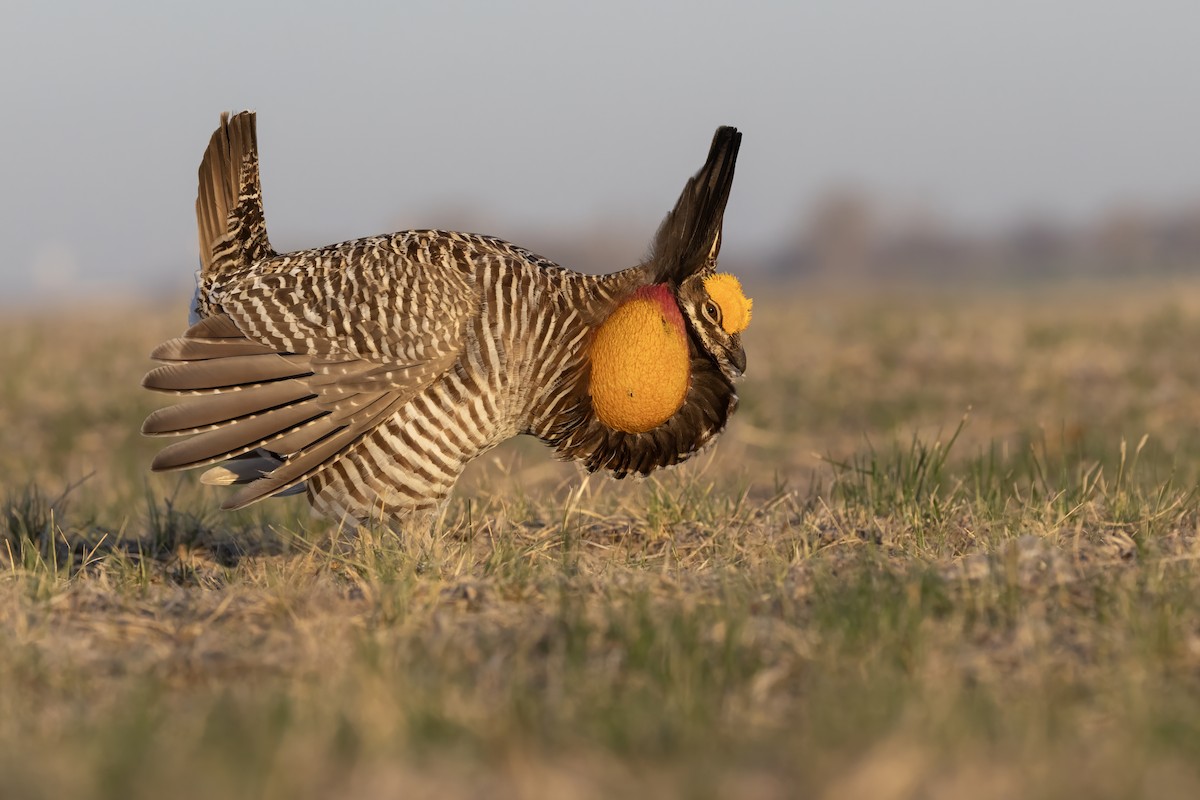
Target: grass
{"x": 948, "y": 547}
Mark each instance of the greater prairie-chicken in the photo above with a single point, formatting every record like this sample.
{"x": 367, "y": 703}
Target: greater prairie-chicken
{"x": 369, "y": 373}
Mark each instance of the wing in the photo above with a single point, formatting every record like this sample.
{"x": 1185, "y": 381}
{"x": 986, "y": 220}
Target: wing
{"x": 310, "y": 352}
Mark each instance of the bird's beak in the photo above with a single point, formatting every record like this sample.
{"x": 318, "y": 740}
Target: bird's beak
{"x": 737, "y": 356}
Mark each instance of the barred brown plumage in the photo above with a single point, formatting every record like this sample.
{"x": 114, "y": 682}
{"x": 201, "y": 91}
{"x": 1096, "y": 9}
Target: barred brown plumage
{"x": 369, "y": 373}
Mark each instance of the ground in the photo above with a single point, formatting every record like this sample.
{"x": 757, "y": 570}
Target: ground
{"x": 948, "y": 547}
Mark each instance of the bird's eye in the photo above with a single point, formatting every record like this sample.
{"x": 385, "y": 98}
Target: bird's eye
{"x": 712, "y": 312}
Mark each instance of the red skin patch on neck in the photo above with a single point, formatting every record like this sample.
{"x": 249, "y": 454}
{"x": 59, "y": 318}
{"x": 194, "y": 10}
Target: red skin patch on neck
{"x": 662, "y": 295}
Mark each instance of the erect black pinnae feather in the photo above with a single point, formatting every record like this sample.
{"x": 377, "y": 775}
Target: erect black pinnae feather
{"x": 690, "y": 236}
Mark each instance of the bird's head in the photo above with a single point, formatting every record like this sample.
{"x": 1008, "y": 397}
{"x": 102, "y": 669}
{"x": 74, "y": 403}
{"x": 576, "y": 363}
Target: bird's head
{"x": 718, "y": 311}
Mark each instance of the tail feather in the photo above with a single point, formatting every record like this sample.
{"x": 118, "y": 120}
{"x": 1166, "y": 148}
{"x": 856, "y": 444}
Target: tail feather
{"x": 689, "y": 238}
{"x": 229, "y": 211}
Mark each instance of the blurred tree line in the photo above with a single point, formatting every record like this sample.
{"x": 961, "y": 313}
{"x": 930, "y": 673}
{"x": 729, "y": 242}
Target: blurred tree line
{"x": 850, "y": 238}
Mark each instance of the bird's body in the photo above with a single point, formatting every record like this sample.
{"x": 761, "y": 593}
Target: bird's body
{"x": 370, "y": 373}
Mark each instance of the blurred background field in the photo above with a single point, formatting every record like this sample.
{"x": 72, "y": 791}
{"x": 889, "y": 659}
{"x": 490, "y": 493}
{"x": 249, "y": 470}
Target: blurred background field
{"x": 948, "y": 546}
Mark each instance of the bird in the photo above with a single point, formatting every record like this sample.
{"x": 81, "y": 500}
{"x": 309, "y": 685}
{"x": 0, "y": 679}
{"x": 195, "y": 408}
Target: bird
{"x": 367, "y": 374}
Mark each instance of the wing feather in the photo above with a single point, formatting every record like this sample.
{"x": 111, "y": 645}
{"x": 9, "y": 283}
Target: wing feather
{"x": 312, "y": 351}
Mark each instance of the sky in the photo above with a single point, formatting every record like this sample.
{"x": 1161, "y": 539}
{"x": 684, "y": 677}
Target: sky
{"x": 552, "y": 115}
